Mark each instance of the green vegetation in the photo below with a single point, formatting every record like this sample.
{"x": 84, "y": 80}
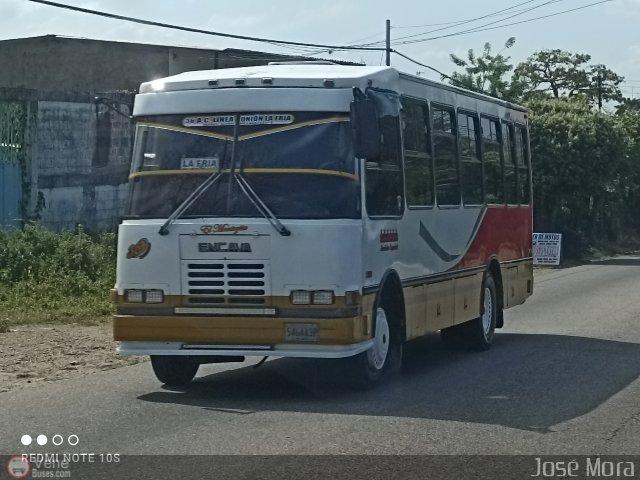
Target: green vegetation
{"x": 585, "y": 158}
{"x": 55, "y": 277}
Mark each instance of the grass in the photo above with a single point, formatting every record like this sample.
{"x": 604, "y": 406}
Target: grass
{"x": 55, "y": 277}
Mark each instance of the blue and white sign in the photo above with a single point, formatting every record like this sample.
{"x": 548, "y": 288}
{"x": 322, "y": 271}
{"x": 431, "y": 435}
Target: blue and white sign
{"x": 547, "y": 248}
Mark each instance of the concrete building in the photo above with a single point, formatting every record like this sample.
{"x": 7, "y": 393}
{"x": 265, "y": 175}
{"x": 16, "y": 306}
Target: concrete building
{"x": 65, "y": 135}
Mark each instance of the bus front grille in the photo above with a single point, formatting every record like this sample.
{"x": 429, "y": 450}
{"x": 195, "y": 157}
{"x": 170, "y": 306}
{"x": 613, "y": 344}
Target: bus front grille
{"x": 228, "y": 282}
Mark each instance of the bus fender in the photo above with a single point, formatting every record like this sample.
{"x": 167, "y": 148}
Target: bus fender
{"x": 391, "y": 296}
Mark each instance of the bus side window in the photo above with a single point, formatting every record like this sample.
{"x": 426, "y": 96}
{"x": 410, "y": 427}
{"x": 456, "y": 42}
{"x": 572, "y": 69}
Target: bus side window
{"x": 493, "y": 180}
{"x": 444, "y": 153}
{"x": 417, "y": 154}
{"x": 470, "y": 165}
{"x": 522, "y": 165}
{"x": 510, "y": 178}
{"x": 384, "y": 186}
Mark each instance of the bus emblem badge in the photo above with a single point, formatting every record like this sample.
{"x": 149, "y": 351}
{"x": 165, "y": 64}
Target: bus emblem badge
{"x": 224, "y": 247}
{"x": 140, "y": 249}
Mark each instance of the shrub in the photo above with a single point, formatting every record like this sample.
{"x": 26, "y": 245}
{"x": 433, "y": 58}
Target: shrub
{"x": 48, "y": 276}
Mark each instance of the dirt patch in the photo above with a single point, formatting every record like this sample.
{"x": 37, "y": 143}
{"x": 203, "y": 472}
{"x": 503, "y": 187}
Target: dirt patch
{"x": 32, "y": 354}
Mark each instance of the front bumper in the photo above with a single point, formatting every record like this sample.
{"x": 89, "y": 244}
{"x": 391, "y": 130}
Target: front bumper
{"x": 281, "y": 350}
{"x": 237, "y": 335}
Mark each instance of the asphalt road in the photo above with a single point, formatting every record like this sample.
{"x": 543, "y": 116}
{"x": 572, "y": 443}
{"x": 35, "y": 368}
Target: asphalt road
{"x": 562, "y": 378}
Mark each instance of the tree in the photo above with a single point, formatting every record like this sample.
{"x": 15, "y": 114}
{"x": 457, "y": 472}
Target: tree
{"x": 629, "y": 122}
{"x": 561, "y": 73}
{"x": 577, "y": 159}
{"x": 485, "y": 73}
{"x": 628, "y": 105}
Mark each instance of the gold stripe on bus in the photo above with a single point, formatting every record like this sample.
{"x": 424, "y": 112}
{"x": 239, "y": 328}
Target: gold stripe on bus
{"x": 304, "y": 171}
{"x": 248, "y": 135}
{"x": 174, "y": 128}
{"x": 232, "y": 329}
{"x": 262, "y": 133}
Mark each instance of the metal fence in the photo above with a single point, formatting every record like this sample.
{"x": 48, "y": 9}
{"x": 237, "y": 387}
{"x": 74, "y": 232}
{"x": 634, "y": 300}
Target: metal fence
{"x": 12, "y": 143}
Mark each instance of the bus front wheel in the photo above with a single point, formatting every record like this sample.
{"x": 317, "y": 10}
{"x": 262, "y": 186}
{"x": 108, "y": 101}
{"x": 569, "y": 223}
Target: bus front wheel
{"x": 174, "y": 371}
{"x": 383, "y": 358}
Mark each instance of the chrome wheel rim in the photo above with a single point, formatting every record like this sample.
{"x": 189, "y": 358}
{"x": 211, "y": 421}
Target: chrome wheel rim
{"x": 488, "y": 312}
{"x": 377, "y": 354}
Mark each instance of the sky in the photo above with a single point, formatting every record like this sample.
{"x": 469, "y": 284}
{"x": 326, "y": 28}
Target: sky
{"x": 609, "y": 32}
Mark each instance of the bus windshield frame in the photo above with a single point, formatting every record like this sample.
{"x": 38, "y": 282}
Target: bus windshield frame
{"x": 300, "y": 164}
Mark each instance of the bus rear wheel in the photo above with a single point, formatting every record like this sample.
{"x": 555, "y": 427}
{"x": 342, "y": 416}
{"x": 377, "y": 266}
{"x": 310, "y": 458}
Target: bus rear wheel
{"x": 174, "y": 371}
{"x": 383, "y": 358}
{"x": 480, "y": 331}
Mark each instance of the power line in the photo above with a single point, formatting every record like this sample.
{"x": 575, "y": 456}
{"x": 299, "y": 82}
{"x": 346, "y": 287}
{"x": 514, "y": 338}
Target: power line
{"x": 204, "y": 32}
{"x": 454, "y": 22}
{"x": 504, "y": 11}
{"x": 442, "y": 75}
{"x": 481, "y": 29}
{"x": 520, "y": 12}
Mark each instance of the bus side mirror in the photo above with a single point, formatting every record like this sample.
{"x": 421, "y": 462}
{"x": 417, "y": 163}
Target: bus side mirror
{"x": 365, "y": 129}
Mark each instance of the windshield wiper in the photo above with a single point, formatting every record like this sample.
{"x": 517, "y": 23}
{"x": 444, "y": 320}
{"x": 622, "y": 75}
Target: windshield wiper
{"x": 253, "y": 197}
{"x": 260, "y": 205}
{"x": 213, "y": 178}
{"x": 193, "y": 196}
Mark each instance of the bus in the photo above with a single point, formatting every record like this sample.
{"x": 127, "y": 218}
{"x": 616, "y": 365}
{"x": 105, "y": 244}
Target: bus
{"x": 319, "y": 211}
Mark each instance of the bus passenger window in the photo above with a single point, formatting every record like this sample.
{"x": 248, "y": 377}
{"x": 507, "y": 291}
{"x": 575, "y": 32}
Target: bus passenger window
{"x": 510, "y": 180}
{"x": 522, "y": 166}
{"x": 470, "y": 165}
{"x": 417, "y": 154}
{"x": 384, "y": 189}
{"x": 444, "y": 151}
{"x": 493, "y": 181}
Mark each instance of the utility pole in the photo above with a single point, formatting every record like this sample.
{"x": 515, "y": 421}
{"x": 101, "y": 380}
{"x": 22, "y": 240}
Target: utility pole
{"x": 599, "y": 84}
{"x": 388, "y": 42}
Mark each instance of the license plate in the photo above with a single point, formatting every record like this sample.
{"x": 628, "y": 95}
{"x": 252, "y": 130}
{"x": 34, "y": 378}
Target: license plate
{"x": 301, "y": 332}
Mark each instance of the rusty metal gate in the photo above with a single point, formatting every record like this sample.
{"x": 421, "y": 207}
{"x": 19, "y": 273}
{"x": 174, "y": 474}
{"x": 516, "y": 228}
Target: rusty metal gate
{"x": 12, "y": 140}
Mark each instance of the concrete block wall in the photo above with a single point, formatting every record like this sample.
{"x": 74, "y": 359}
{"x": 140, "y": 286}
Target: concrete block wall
{"x": 74, "y": 188}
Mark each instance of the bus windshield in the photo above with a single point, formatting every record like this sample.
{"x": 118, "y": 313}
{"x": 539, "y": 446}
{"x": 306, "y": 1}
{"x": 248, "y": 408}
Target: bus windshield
{"x": 300, "y": 164}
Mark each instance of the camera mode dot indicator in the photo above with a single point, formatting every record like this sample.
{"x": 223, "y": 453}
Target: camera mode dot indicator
{"x": 26, "y": 440}
{"x": 42, "y": 440}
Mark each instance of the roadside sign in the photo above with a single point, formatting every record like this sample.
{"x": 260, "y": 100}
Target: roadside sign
{"x": 547, "y": 248}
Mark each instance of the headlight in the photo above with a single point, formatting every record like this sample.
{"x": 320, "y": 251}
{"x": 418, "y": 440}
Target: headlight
{"x": 300, "y": 297}
{"x": 317, "y": 297}
{"x": 322, "y": 297}
{"x": 154, "y": 296}
{"x": 144, "y": 296}
{"x": 134, "y": 296}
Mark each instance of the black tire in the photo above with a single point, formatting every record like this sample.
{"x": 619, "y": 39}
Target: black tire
{"x": 173, "y": 370}
{"x": 481, "y": 331}
{"x": 384, "y": 359}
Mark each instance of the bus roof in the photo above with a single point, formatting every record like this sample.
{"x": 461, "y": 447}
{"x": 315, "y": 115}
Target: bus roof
{"x": 304, "y": 75}
{"x": 282, "y": 75}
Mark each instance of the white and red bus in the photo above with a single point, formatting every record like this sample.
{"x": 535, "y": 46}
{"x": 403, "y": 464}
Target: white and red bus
{"x": 322, "y": 211}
